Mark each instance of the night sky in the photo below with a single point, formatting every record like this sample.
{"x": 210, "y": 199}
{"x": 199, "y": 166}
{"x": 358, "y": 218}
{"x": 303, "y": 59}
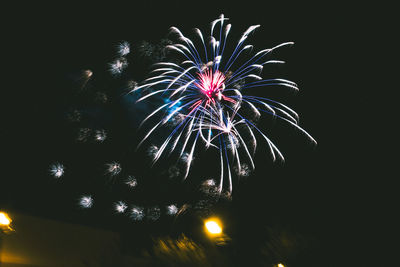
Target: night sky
{"x": 325, "y": 193}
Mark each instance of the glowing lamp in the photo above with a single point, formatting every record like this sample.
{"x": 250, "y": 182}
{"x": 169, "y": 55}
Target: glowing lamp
{"x": 4, "y": 219}
{"x": 213, "y": 227}
{"x": 5, "y": 223}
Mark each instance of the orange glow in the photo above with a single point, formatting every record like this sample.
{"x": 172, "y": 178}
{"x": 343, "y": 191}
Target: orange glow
{"x": 213, "y": 226}
{"x": 7, "y": 257}
{"x": 4, "y": 219}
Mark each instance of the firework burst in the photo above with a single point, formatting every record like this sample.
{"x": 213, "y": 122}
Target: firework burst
{"x": 120, "y": 207}
{"x": 123, "y": 48}
{"x": 113, "y": 168}
{"x": 172, "y": 209}
{"x": 86, "y": 202}
{"x": 131, "y": 181}
{"x": 208, "y": 90}
{"x": 100, "y": 135}
{"x": 57, "y": 170}
{"x": 137, "y": 213}
{"x": 118, "y": 66}
{"x": 153, "y": 213}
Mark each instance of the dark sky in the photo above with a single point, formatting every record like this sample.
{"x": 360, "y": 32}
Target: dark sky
{"x": 326, "y": 192}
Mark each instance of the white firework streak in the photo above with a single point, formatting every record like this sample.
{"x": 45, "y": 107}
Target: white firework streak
{"x": 204, "y": 90}
{"x": 228, "y": 138}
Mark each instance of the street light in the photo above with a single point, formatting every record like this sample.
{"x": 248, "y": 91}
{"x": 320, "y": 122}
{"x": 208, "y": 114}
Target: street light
{"x": 5, "y": 222}
{"x": 213, "y": 226}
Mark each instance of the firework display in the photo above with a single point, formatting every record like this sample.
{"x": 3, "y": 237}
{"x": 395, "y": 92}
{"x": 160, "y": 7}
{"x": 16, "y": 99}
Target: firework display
{"x": 209, "y": 91}
{"x": 206, "y": 92}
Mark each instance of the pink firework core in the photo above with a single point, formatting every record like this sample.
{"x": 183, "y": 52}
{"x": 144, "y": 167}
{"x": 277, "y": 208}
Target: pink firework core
{"x": 211, "y": 83}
